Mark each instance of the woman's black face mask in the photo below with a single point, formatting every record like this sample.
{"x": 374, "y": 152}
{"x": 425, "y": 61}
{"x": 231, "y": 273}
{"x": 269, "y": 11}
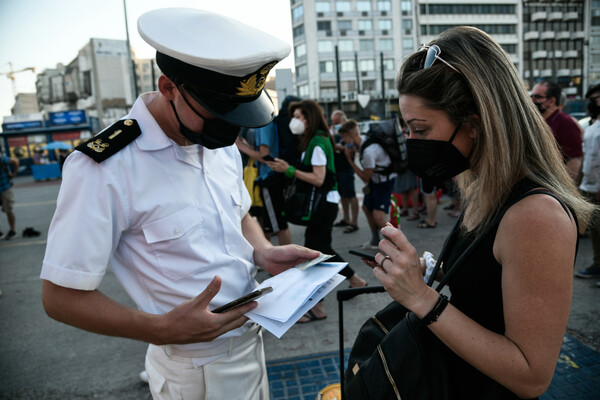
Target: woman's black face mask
{"x": 215, "y": 132}
{"x": 435, "y": 161}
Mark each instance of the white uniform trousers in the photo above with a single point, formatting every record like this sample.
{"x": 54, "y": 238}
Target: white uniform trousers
{"x": 239, "y": 374}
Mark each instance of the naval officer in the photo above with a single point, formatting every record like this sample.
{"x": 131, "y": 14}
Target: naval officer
{"x": 159, "y": 197}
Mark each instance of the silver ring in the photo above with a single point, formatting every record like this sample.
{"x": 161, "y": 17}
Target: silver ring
{"x": 384, "y": 259}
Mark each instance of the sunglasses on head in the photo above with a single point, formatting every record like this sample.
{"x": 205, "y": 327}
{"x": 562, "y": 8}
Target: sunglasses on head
{"x": 433, "y": 53}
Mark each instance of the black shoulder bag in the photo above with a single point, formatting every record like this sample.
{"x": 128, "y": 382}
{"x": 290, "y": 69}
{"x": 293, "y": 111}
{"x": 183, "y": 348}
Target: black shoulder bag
{"x": 396, "y": 356}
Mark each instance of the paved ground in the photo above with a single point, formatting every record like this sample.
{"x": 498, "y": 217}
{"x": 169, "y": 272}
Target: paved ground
{"x": 43, "y": 359}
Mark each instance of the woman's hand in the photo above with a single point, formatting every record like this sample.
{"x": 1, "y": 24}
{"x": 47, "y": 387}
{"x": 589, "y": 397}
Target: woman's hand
{"x": 401, "y": 271}
{"x": 278, "y": 165}
{"x": 349, "y": 153}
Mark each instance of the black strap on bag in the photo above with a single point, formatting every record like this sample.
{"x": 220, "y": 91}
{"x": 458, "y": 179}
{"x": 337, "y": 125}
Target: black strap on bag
{"x": 397, "y": 356}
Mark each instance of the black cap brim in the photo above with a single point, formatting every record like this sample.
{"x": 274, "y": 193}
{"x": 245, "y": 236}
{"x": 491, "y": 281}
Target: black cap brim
{"x": 252, "y": 114}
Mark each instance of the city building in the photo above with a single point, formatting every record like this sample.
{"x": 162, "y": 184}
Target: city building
{"x": 554, "y": 42}
{"x": 25, "y": 103}
{"x": 367, "y": 40}
{"x": 98, "y": 80}
{"x": 146, "y": 73}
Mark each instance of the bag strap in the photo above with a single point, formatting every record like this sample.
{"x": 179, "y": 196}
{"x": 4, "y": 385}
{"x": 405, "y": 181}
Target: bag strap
{"x": 480, "y": 237}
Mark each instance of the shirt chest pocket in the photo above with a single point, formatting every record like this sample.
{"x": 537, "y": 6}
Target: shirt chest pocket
{"x": 176, "y": 241}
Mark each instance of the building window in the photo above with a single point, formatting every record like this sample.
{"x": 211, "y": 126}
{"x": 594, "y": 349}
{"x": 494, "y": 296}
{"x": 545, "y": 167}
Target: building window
{"x": 345, "y": 45}
{"x": 300, "y": 50}
{"x": 347, "y": 66}
{"x": 344, "y": 25}
{"x": 406, "y": 7}
{"x": 386, "y": 44}
{"x": 407, "y": 25}
{"x": 298, "y": 31}
{"x": 363, "y": 5}
{"x": 368, "y": 85}
{"x": 325, "y": 46}
{"x": 326, "y": 67}
{"x": 365, "y": 25}
{"x": 384, "y": 5}
{"x": 302, "y": 71}
{"x": 385, "y": 24}
{"x": 342, "y": 6}
{"x": 323, "y": 6}
{"x": 366, "y": 45}
{"x": 323, "y": 25}
{"x": 388, "y": 64}
{"x": 348, "y": 86}
{"x": 510, "y": 48}
{"x": 366, "y": 65}
{"x": 297, "y": 12}
{"x": 407, "y": 44}
{"x": 303, "y": 91}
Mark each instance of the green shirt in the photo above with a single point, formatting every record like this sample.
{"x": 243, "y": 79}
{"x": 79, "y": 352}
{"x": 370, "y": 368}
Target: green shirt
{"x": 322, "y": 140}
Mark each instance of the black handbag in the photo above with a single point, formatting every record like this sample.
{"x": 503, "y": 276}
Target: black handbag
{"x": 396, "y": 356}
{"x": 302, "y": 202}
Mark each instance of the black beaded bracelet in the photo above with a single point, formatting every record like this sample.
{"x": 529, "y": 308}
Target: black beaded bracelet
{"x": 436, "y": 311}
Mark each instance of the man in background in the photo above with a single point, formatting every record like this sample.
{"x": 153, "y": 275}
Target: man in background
{"x": 546, "y": 97}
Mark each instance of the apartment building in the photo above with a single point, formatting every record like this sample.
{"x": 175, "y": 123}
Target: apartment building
{"x": 554, "y": 43}
{"x": 368, "y": 40}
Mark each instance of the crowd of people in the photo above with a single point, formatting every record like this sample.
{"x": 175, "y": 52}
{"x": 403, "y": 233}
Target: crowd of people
{"x": 182, "y": 238}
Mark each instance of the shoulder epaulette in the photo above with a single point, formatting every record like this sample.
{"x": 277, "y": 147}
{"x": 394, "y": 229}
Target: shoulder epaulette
{"x": 111, "y": 140}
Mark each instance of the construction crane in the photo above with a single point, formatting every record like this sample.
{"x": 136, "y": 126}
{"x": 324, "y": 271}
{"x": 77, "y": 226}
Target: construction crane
{"x": 11, "y": 75}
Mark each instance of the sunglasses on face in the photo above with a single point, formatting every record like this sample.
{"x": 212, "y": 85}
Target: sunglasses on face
{"x": 433, "y": 53}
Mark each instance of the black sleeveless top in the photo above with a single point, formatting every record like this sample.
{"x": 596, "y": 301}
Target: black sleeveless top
{"x": 476, "y": 291}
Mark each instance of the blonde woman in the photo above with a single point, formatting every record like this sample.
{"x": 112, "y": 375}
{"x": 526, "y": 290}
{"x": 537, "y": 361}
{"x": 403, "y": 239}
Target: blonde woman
{"x": 469, "y": 115}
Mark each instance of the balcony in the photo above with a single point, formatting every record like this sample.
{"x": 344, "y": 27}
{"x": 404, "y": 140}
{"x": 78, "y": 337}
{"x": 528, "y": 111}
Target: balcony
{"x": 565, "y": 35}
{"x": 534, "y": 35}
{"x": 570, "y": 16}
{"x": 576, "y": 72}
{"x": 548, "y": 35}
{"x": 571, "y": 54}
{"x": 563, "y": 72}
{"x": 569, "y": 90}
{"x": 538, "y": 16}
{"x": 536, "y": 55}
{"x": 555, "y": 16}
{"x": 546, "y": 73}
{"x": 558, "y": 54}
{"x": 578, "y": 35}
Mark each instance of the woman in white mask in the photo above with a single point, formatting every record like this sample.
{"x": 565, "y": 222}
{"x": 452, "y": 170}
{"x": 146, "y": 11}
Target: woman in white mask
{"x": 317, "y": 146}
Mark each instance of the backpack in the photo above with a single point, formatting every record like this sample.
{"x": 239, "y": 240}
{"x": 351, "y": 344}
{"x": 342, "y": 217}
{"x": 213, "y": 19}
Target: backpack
{"x": 388, "y": 134}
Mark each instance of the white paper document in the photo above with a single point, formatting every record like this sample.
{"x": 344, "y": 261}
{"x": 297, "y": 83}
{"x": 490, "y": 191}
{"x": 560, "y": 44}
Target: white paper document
{"x": 295, "y": 291}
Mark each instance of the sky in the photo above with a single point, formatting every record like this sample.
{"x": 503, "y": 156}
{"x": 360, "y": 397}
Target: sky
{"x": 43, "y": 33}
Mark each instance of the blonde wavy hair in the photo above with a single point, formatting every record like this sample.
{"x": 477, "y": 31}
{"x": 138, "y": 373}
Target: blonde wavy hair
{"x": 513, "y": 141}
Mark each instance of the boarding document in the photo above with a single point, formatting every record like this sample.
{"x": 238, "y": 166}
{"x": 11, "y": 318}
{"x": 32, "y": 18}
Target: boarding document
{"x": 295, "y": 291}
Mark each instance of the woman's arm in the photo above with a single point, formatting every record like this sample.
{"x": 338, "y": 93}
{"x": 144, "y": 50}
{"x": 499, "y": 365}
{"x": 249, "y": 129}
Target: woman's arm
{"x": 245, "y": 148}
{"x": 535, "y": 244}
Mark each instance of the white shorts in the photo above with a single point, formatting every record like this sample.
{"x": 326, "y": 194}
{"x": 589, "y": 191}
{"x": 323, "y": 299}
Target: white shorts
{"x": 242, "y": 374}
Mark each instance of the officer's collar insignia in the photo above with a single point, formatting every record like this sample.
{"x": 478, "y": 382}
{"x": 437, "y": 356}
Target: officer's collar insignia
{"x": 253, "y": 84}
{"x": 111, "y": 140}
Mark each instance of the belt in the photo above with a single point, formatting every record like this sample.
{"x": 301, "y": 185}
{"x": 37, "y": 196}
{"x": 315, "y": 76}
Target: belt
{"x": 225, "y": 346}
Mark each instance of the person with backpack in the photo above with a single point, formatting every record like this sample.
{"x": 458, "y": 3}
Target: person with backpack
{"x": 376, "y": 172}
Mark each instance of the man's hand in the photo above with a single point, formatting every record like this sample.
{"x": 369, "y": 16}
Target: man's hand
{"x": 276, "y": 259}
{"x": 192, "y": 321}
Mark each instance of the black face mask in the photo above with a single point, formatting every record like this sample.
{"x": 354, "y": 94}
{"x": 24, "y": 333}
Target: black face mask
{"x": 215, "y": 132}
{"x": 540, "y": 107}
{"x": 435, "y": 161}
{"x": 593, "y": 108}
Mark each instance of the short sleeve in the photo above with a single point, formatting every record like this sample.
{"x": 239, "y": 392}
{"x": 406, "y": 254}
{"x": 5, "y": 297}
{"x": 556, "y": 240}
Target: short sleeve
{"x": 86, "y": 226}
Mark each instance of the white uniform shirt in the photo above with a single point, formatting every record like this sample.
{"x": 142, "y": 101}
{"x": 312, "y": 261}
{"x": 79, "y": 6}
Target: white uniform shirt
{"x": 165, "y": 218}
{"x": 591, "y": 159}
{"x": 375, "y": 157}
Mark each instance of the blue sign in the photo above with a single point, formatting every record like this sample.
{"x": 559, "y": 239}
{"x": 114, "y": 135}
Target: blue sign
{"x": 72, "y": 117}
{"x": 21, "y": 125}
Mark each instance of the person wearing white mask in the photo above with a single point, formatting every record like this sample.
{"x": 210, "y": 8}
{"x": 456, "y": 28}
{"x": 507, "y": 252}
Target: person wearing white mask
{"x": 317, "y": 146}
